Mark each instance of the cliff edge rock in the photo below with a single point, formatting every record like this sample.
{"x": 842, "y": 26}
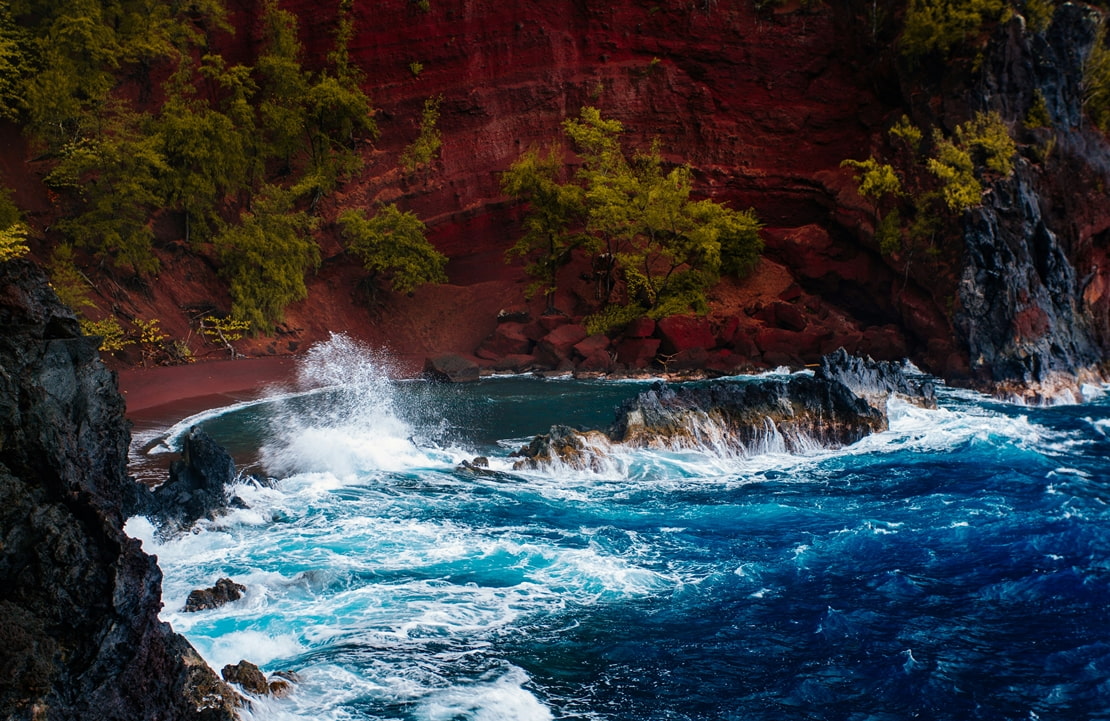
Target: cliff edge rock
{"x": 79, "y": 600}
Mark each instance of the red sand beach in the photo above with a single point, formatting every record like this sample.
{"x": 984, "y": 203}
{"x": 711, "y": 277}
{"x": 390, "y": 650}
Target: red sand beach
{"x": 173, "y": 392}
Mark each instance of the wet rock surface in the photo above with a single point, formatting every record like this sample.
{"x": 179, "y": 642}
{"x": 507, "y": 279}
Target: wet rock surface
{"x": 197, "y": 486}
{"x": 80, "y": 636}
{"x": 842, "y": 402}
{"x": 224, "y": 591}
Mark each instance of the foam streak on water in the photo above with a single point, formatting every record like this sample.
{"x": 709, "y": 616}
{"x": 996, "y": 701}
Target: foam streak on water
{"x": 956, "y": 566}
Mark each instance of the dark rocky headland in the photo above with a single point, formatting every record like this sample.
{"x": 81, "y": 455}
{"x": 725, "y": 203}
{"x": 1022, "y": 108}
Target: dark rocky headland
{"x": 80, "y": 637}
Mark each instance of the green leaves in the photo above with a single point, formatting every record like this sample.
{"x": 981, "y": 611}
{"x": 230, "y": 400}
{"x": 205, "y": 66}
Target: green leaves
{"x": 938, "y": 26}
{"x": 425, "y": 148}
{"x": 392, "y": 244}
{"x": 985, "y": 139}
{"x": 654, "y": 247}
{"x": 265, "y": 258}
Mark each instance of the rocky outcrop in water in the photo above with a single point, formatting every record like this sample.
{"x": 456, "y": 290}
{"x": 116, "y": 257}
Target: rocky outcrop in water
{"x": 79, "y": 631}
{"x": 197, "y": 484}
{"x": 224, "y": 591}
{"x": 843, "y": 401}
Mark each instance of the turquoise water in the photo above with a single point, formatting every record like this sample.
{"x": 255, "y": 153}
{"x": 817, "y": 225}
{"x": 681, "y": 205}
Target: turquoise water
{"x": 956, "y": 566}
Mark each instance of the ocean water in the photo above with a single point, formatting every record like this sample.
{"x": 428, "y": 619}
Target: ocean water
{"x": 954, "y": 567}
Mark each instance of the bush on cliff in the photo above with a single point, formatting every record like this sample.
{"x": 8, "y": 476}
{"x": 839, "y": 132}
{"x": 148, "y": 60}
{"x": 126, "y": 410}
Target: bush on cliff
{"x": 652, "y": 246}
{"x": 393, "y": 248}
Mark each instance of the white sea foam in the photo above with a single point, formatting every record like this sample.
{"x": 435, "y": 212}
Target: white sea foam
{"x": 501, "y": 699}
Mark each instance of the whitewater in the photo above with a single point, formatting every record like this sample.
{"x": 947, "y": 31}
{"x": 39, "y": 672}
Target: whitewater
{"x": 956, "y": 566}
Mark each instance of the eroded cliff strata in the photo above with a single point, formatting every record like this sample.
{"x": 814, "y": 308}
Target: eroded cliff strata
{"x": 764, "y": 101}
{"x": 79, "y": 631}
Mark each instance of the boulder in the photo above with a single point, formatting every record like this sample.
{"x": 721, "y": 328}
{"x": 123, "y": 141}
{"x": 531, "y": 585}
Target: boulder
{"x": 747, "y": 416}
{"x": 682, "y": 332}
{"x": 514, "y": 364}
{"x": 564, "y": 445}
{"x": 599, "y": 361}
{"x": 507, "y": 339}
{"x": 225, "y": 591}
{"x": 637, "y": 352}
{"x": 591, "y": 345}
{"x": 687, "y": 359}
{"x": 557, "y": 345}
{"x": 247, "y": 676}
{"x": 197, "y": 484}
{"x": 642, "y": 327}
{"x": 450, "y": 368}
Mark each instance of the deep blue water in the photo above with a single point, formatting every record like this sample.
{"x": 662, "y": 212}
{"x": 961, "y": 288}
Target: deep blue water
{"x": 954, "y": 567}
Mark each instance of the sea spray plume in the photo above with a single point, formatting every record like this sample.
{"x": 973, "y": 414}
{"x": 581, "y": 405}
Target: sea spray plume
{"x": 357, "y": 427}
{"x": 844, "y": 401}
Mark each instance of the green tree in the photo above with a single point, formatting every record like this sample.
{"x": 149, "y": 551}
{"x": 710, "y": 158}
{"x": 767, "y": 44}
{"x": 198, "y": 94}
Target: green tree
{"x": 552, "y": 224}
{"x": 983, "y": 141}
{"x": 393, "y": 247}
{"x": 69, "y": 283}
{"x": 938, "y": 26}
{"x": 635, "y": 218}
{"x": 116, "y": 178}
{"x": 15, "y": 65}
{"x": 425, "y": 148}
{"x": 283, "y": 83}
{"x": 265, "y": 257}
{"x": 208, "y": 153}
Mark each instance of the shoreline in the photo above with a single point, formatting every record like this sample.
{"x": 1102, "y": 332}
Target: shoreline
{"x": 174, "y": 392}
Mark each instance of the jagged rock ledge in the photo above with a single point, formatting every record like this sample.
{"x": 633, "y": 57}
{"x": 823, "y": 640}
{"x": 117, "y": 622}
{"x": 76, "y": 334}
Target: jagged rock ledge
{"x": 843, "y": 401}
{"x": 79, "y": 600}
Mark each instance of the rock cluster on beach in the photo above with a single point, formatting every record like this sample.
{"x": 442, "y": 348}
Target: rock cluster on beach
{"x": 80, "y": 636}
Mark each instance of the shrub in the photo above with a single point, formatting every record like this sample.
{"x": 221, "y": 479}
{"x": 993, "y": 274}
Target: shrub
{"x": 392, "y": 245}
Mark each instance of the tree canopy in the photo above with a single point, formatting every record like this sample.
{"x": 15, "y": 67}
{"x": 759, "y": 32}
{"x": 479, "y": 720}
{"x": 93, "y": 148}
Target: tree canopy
{"x": 655, "y": 249}
{"x": 393, "y": 247}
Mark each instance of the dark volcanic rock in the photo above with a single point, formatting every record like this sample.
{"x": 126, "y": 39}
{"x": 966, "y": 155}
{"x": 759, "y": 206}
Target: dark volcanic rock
{"x": 197, "y": 485}
{"x": 875, "y": 381}
{"x": 79, "y": 600}
{"x": 225, "y": 591}
{"x": 841, "y": 403}
{"x": 248, "y": 676}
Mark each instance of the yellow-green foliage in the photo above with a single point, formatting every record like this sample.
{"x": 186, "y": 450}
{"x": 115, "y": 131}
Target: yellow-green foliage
{"x": 1096, "y": 82}
{"x": 68, "y": 282}
{"x": 634, "y": 216}
{"x": 908, "y": 133}
{"x": 874, "y": 179}
{"x": 13, "y": 232}
{"x": 988, "y": 139}
{"x": 953, "y": 166}
{"x": 392, "y": 244}
{"x": 425, "y": 148}
{"x": 151, "y": 339}
{"x": 112, "y": 337}
{"x": 940, "y": 25}
{"x": 13, "y": 242}
{"x": 1037, "y": 115}
{"x": 265, "y": 258}
{"x": 985, "y": 141}
{"x": 1038, "y": 14}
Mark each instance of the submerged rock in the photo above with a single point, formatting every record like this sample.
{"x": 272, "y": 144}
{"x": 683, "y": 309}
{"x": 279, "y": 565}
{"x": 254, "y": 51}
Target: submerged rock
{"x": 841, "y": 403}
{"x": 225, "y": 591}
{"x": 80, "y": 636}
